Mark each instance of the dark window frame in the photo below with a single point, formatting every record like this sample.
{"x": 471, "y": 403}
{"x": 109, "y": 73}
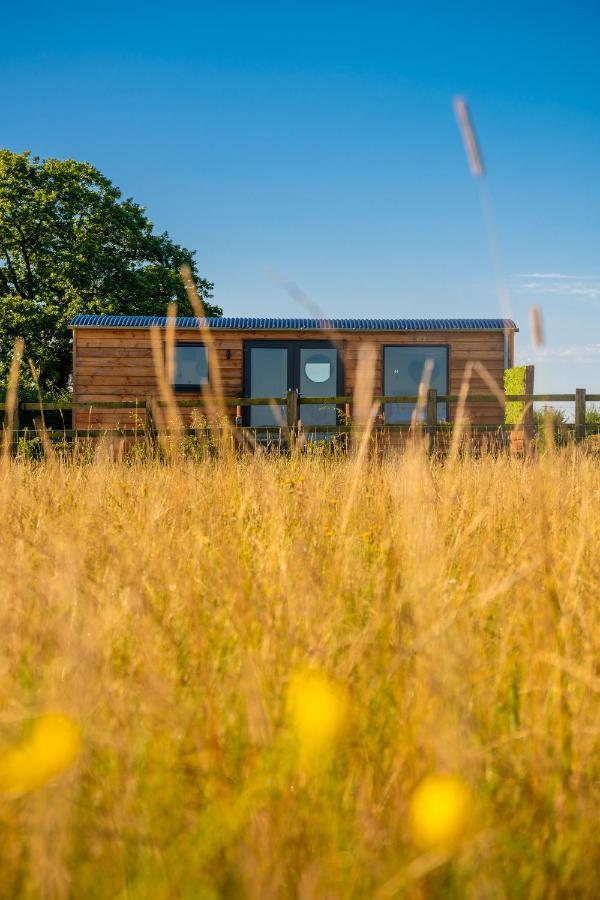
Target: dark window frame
{"x": 191, "y": 388}
{"x": 293, "y": 346}
{"x": 446, "y": 347}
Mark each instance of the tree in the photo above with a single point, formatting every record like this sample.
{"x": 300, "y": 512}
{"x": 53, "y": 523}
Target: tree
{"x": 69, "y": 243}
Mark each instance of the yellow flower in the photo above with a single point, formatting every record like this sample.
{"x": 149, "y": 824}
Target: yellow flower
{"x": 440, "y": 809}
{"x": 52, "y": 745}
{"x": 317, "y": 709}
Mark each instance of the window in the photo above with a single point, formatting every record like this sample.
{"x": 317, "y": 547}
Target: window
{"x": 403, "y": 368}
{"x": 317, "y": 368}
{"x": 191, "y": 367}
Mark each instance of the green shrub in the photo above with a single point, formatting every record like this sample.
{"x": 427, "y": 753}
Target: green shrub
{"x": 558, "y": 416}
{"x": 592, "y": 415}
{"x": 514, "y": 383}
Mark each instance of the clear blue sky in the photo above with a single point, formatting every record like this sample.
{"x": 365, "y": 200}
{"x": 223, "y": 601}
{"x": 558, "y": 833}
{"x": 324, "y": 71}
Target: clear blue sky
{"x": 317, "y": 140}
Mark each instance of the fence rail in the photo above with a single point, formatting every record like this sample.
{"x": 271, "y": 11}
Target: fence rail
{"x": 291, "y": 403}
{"x": 50, "y": 405}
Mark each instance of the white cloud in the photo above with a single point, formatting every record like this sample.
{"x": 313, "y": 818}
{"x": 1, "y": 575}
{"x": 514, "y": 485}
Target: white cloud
{"x": 580, "y": 352}
{"x": 559, "y": 284}
{"x": 555, "y": 275}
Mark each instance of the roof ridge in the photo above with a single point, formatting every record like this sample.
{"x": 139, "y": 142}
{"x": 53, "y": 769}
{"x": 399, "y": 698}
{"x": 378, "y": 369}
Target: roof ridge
{"x": 271, "y": 323}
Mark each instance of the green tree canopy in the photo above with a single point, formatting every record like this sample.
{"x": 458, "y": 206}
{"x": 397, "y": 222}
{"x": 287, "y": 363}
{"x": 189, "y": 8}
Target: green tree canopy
{"x": 70, "y": 243}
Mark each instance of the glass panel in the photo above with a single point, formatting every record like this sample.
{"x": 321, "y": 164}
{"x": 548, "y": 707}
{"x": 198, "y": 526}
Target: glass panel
{"x": 318, "y": 378}
{"x": 318, "y": 370}
{"x": 403, "y": 371}
{"x": 191, "y": 365}
{"x": 268, "y": 378}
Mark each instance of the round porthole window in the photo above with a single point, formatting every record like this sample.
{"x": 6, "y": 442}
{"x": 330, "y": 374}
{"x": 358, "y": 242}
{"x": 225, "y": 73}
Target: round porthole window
{"x": 317, "y": 368}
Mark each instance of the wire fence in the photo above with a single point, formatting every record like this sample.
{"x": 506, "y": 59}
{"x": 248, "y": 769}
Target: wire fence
{"x": 148, "y": 420}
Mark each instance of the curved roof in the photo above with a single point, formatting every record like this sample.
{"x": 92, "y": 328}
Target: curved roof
{"x": 257, "y": 324}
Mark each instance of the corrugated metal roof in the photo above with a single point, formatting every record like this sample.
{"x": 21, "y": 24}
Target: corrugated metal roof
{"x": 253, "y": 324}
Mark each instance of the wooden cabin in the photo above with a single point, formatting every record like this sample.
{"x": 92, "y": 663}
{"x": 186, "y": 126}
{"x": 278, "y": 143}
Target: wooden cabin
{"x": 113, "y": 361}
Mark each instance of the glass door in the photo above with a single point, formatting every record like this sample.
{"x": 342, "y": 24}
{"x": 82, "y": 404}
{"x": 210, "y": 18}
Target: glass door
{"x": 310, "y": 367}
{"x": 267, "y": 375}
{"x": 317, "y": 377}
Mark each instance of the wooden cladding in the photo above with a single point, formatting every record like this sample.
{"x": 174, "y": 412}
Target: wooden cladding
{"x": 117, "y": 364}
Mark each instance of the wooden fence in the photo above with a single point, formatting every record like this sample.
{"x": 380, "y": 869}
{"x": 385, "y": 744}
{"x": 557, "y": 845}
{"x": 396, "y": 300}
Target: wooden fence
{"x": 144, "y": 423}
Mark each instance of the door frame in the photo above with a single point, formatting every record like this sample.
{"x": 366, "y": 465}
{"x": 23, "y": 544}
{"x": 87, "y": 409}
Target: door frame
{"x": 293, "y": 346}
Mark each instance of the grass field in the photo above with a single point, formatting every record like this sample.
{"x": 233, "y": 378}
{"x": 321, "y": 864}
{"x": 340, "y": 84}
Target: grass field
{"x": 275, "y": 663}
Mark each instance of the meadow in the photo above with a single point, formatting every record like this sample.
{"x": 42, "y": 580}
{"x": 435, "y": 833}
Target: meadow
{"x": 300, "y": 676}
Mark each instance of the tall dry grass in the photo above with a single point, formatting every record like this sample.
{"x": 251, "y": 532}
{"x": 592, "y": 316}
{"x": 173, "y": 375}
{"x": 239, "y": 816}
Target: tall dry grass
{"x": 167, "y": 607}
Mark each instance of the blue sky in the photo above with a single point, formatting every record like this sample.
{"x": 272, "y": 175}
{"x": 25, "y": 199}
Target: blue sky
{"x": 317, "y": 141}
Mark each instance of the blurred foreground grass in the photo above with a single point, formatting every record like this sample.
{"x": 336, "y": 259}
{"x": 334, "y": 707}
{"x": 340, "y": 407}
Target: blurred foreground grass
{"x": 301, "y": 678}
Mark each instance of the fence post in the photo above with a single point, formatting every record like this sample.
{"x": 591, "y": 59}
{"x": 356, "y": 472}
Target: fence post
{"x": 14, "y": 442}
{"x": 528, "y": 417}
{"x": 431, "y": 408}
{"x": 431, "y": 415}
{"x": 580, "y": 414}
{"x": 238, "y": 415}
{"x": 149, "y": 422}
{"x": 292, "y": 408}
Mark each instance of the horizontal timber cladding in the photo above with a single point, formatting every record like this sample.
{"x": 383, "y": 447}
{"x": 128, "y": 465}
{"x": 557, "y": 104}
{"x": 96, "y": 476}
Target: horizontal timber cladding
{"x": 112, "y": 364}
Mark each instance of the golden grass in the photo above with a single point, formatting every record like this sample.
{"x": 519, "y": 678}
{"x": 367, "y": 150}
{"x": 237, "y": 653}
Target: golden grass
{"x": 452, "y": 610}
